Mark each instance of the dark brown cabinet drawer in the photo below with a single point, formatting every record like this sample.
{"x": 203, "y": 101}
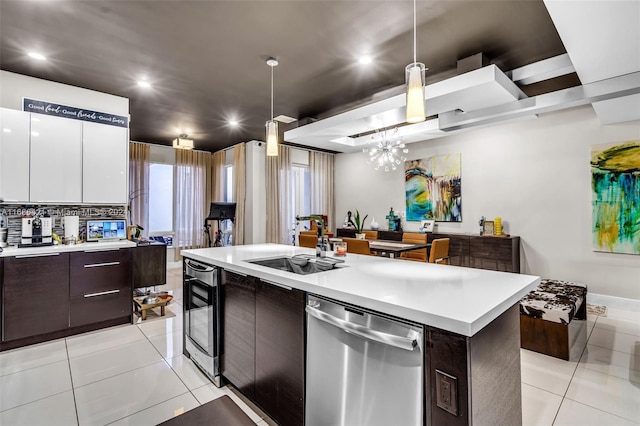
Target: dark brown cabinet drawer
{"x": 96, "y": 256}
{"x": 99, "y": 272}
{"x": 100, "y": 307}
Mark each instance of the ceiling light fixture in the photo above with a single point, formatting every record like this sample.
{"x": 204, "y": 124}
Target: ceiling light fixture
{"x": 233, "y": 123}
{"x": 144, "y": 83}
{"x": 388, "y": 150}
{"x": 38, "y": 56}
{"x": 415, "y": 78}
{"x": 272, "y": 126}
{"x": 183, "y": 143}
{"x": 364, "y": 60}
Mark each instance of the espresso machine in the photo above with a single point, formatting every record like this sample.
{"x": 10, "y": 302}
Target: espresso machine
{"x": 36, "y": 231}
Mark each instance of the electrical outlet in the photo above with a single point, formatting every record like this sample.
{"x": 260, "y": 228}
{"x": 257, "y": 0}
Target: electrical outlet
{"x": 447, "y": 392}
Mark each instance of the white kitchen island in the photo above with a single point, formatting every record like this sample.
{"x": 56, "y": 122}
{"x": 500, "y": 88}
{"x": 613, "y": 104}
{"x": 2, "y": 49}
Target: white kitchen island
{"x": 470, "y": 317}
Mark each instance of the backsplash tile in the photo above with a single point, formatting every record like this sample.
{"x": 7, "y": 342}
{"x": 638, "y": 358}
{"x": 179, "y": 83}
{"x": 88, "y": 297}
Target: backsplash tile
{"x": 13, "y": 214}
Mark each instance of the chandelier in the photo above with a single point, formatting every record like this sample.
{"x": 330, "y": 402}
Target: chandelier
{"x": 386, "y": 150}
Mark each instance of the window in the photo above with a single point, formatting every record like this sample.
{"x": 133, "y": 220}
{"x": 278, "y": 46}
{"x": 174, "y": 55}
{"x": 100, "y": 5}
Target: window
{"x": 160, "y": 199}
{"x": 227, "y": 225}
{"x": 301, "y": 193}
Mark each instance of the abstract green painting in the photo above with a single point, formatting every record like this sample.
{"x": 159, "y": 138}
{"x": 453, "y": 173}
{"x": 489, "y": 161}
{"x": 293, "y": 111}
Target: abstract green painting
{"x": 432, "y": 188}
{"x": 615, "y": 185}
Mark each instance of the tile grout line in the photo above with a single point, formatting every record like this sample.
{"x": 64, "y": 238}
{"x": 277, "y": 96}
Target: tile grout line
{"x": 73, "y": 390}
{"x": 564, "y": 395}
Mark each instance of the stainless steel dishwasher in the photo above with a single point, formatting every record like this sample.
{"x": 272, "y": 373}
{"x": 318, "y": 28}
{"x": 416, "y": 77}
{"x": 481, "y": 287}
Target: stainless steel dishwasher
{"x": 362, "y": 368}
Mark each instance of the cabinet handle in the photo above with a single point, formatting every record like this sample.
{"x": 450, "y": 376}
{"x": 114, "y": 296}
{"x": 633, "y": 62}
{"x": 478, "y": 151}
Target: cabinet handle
{"x": 102, "y": 293}
{"x": 286, "y": 287}
{"x": 22, "y": 256}
{"x": 97, "y": 265}
{"x": 99, "y": 250}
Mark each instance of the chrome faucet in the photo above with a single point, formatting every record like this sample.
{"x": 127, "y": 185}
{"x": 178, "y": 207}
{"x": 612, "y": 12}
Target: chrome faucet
{"x": 321, "y": 247}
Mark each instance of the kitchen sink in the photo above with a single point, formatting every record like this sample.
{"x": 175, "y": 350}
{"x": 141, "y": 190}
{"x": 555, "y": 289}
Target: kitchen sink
{"x": 300, "y": 264}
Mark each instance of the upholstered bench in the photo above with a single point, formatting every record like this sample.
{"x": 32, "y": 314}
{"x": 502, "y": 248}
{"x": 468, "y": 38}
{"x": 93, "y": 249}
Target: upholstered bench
{"x": 547, "y": 314}
{"x": 221, "y": 411}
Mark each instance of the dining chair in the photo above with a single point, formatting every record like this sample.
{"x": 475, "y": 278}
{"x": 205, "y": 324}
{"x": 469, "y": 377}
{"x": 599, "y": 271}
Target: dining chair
{"x": 357, "y": 246}
{"x": 419, "y": 255}
{"x": 307, "y": 240}
{"x": 439, "y": 251}
{"x": 370, "y": 235}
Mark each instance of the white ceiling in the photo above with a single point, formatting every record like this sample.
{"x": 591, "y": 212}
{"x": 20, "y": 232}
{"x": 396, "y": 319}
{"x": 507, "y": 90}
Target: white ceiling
{"x": 602, "y": 39}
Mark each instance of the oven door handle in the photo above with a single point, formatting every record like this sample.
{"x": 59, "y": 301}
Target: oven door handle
{"x": 199, "y": 267}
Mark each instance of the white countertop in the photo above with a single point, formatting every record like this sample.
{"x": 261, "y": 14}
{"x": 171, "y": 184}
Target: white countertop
{"x": 34, "y": 251}
{"x": 461, "y": 300}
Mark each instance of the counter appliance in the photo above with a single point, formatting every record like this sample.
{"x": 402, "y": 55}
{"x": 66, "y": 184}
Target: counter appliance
{"x": 363, "y": 368}
{"x": 202, "y": 317}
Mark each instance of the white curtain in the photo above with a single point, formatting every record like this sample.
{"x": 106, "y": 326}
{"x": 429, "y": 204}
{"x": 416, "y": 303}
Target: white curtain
{"x": 191, "y": 205}
{"x": 321, "y": 166}
{"x": 280, "y": 216}
{"x": 239, "y": 191}
{"x": 139, "y": 185}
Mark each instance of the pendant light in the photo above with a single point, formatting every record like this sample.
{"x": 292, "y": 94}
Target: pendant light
{"x": 414, "y": 77}
{"x": 272, "y": 125}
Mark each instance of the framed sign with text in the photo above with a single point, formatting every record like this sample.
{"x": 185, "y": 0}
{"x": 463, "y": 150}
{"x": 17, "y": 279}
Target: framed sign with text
{"x": 58, "y": 110}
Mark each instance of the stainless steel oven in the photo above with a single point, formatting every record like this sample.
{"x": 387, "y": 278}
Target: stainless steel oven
{"x": 201, "y": 316}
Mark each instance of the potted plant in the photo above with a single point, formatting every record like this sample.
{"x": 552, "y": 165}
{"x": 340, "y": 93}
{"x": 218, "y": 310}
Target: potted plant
{"x": 359, "y": 224}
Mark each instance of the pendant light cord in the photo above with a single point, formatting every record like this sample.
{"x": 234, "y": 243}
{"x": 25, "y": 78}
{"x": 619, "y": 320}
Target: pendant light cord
{"x": 414, "y": 33}
{"x": 271, "y": 93}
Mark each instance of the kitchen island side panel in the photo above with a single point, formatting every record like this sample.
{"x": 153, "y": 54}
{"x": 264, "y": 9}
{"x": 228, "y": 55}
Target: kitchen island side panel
{"x": 495, "y": 380}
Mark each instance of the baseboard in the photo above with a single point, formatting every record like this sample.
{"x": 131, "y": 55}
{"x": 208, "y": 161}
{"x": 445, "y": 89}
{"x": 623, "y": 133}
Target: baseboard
{"x": 614, "y": 302}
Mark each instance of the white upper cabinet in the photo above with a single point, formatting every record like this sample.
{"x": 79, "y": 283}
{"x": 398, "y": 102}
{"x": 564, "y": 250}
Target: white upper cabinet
{"x": 14, "y": 155}
{"x": 105, "y": 162}
{"x": 56, "y": 160}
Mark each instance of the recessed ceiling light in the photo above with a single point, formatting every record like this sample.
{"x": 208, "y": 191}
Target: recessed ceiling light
{"x": 6, "y": 130}
{"x": 38, "y": 56}
{"x": 233, "y": 123}
{"x": 35, "y": 134}
{"x": 365, "y": 60}
{"x": 144, "y": 83}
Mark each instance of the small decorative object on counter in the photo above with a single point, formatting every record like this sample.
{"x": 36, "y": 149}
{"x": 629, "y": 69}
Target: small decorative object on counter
{"x": 348, "y": 221}
{"x": 393, "y": 220}
{"x": 374, "y": 225}
{"x": 497, "y": 226}
{"x": 487, "y": 227}
{"x": 359, "y": 224}
{"x": 340, "y": 249}
{"x": 481, "y": 222}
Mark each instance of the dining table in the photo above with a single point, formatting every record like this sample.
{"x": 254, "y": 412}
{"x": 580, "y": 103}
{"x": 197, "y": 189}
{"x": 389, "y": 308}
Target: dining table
{"x": 388, "y": 248}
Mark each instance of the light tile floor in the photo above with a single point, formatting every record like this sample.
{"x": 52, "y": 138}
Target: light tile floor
{"x": 137, "y": 375}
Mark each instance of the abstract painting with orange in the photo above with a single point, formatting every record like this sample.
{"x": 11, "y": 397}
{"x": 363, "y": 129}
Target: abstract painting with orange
{"x": 615, "y": 187}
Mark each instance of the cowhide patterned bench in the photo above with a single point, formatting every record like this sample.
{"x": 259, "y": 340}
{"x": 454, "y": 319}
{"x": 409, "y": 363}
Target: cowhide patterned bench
{"x": 547, "y": 314}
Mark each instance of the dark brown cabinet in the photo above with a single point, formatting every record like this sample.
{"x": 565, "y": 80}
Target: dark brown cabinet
{"x": 100, "y": 286}
{"x": 237, "y": 361}
{"x": 280, "y": 352}
{"x": 263, "y": 344}
{"x": 149, "y": 265}
{"x": 474, "y": 380}
{"x": 35, "y": 295}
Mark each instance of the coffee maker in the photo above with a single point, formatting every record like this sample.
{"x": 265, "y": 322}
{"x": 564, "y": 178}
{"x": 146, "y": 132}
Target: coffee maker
{"x": 36, "y": 231}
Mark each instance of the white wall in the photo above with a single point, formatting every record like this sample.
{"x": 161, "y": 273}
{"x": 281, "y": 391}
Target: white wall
{"x": 255, "y": 212}
{"x": 535, "y": 174}
{"x": 13, "y": 87}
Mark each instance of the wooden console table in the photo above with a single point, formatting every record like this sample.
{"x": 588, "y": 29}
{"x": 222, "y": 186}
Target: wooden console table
{"x": 473, "y": 251}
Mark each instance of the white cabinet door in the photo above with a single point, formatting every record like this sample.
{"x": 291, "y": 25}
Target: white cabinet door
{"x": 14, "y": 155}
{"x": 56, "y": 160}
{"x": 105, "y": 161}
